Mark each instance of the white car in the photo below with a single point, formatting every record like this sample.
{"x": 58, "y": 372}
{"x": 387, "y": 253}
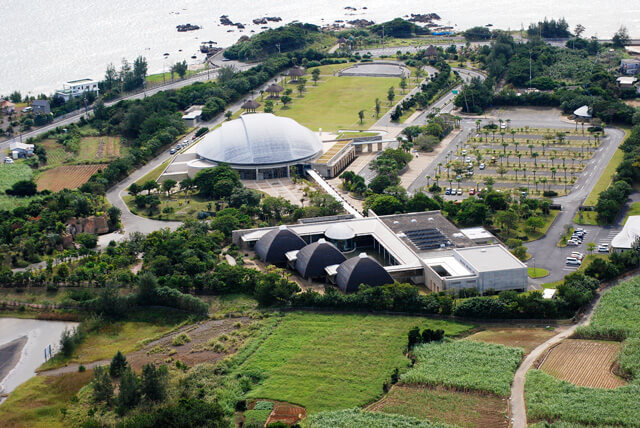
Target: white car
{"x": 464, "y": 153}
{"x": 459, "y": 192}
{"x": 572, "y": 261}
{"x": 577, "y": 255}
{"x": 8, "y": 160}
{"x": 503, "y": 125}
{"x": 481, "y": 166}
{"x": 572, "y": 243}
{"x": 603, "y": 248}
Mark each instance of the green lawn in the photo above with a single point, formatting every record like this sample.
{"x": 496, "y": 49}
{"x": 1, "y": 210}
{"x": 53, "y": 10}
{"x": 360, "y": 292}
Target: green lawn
{"x": 605, "y": 179}
{"x": 522, "y": 230}
{"x": 159, "y": 77}
{"x": 325, "y": 362}
{"x": 183, "y": 207}
{"x": 154, "y": 173}
{"x": 586, "y": 217}
{"x": 634, "y": 209}
{"x": 537, "y": 272}
{"x": 466, "y": 366}
{"x": 334, "y": 104}
{"x": 11, "y": 173}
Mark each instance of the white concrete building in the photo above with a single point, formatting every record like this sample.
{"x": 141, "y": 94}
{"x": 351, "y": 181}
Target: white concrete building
{"x": 77, "y": 88}
{"x": 494, "y": 266}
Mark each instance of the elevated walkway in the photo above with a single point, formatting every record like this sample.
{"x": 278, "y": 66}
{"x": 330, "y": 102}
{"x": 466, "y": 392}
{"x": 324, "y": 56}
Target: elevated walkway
{"x": 330, "y": 190}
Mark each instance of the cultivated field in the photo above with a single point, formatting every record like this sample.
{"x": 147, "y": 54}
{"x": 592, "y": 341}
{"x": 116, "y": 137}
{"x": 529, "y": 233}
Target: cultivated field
{"x": 359, "y": 418}
{"x": 328, "y": 362}
{"x": 67, "y": 177}
{"x": 467, "y": 410}
{"x": 525, "y": 338}
{"x": 584, "y": 363}
{"x": 465, "y": 365}
{"x": 90, "y": 149}
{"x": 11, "y": 173}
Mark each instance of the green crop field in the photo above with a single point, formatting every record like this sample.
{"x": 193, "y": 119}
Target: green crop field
{"x": 328, "y": 362}
{"x": 465, "y": 365}
{"x": 359, "y": 418}
{"x": 334, "y": 104}
{"x": 11, "y": 173}
{"x": 551, "y": 399}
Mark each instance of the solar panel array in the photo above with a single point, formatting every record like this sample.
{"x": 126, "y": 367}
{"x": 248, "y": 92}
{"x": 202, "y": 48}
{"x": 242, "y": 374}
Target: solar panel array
{"x": 427, "y": 239}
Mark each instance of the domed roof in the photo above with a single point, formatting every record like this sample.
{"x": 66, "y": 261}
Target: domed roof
{"x": 361, "y": 270}
{"x": 272, "y": 246}
{"x": 259, "y": 139}
{"x": 313, "y": 258}
{"x": 339, "y": 232}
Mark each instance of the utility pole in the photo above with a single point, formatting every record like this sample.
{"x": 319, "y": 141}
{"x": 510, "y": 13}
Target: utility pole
{"x": 529, "y": 69}
{"x": 382, "y": 36}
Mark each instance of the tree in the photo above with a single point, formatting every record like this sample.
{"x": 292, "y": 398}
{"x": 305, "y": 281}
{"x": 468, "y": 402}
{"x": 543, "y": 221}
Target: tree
{"x": 621, "y": 38}
{"x": 534, "y": 223}
{"x": 403, "y": 84}
{"x": 179, "y": 68}
{"x": 102, "y": 386}
{"x": 167, "y": 185}
{"x": 361, "y": 116}
{"x": 208, "y": 181}
{"x": 391, "y": 94}
{"x": 147, "y": 284}
{"x": 129, "y": 394}
{"x": 23, "y": 188}
{"x": 15, "y": 97}
{"x": 154, "y": 382}
{"x": 315, "y": 76}
{"x": 591, "y": 246}
{"x": 378, "y": 107}
{"x": 579, "y": 30}
{"x": 300, "y": 88}
{"x": 285, "y": 99}
{"x": 228, "y": 114}
{"x": 508, "y": 219}
{"x": 134, "y": 189}
{"x": 118, "y": 365}
{"x": 268, "y": 106}
{"x": 149, "y": 185}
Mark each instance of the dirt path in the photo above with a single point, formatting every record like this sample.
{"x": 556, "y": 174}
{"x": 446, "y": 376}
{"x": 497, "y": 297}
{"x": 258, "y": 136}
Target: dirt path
{"x": 517, "y": 401}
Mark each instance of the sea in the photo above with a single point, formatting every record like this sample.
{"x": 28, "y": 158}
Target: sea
{"x": 47, "y": 42}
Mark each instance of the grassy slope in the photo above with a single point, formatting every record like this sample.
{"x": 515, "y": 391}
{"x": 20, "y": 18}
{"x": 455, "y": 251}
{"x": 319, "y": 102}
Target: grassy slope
{"x": 325, "y": 362}
{"x": 37, "y": 402}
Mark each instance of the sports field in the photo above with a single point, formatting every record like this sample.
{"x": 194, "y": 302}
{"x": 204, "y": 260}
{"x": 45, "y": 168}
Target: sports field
{"x": 328, "y": 362}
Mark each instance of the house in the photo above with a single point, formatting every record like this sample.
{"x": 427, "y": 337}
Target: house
{"x": 626, "y": 82}
{"x": 431, "y": 52}
{"x": 192, "y": 115}
{"x": 21, "y": 150}
{"x": 77, "y": 88}
{"x": 41, "y": 107}
{"x": 549, "y": 293}
{"x": 629, "y": 66}
{"x": 7, "y": 107}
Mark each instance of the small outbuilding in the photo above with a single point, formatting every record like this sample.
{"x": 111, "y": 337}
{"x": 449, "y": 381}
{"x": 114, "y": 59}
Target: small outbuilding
{"x": 21, "y": 150}
{"x": 296, "y": 73}
{"x": 7, "y": 107}
{"x": 582, "y": 113}
{"x": 41, "y": 107}
{"x": 250, "y": 106}
{"x": 273, "y": 246}
{"x": 431, "y": 52}
{"x": 274, "y": 90}
{"x": 361, "y": 270}
{"x": 629, "y": 66}
{"x": 626, "y": 82}
{"x": 313, "y": 258}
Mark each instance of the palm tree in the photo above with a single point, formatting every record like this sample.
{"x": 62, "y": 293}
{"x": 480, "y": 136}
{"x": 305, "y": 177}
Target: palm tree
{"x": 553, "y": 173}
{"x": 504, "y": 145}
{"x": 531, "y": 146}
{"x": 513, "y": 135}
{"x": 428, "y": 178}
{"x": 478, "y": 122}
{"x": 519, "y": 156}
{"x": 361, "y": 116}
{"x": 508, "y": 123}
{"x": 486, "y": 136}
{"x": 515, "y": 143}
{"x": 543, "y": 144}
{"x": 535, "y": 155}
{"x": 524, "y": 171}
{"x": 502, "y": 133}
{"x": 516, "y": 171}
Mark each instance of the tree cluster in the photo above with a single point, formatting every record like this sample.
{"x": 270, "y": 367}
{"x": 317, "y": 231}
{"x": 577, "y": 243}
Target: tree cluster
{"x": 287, "y": 38}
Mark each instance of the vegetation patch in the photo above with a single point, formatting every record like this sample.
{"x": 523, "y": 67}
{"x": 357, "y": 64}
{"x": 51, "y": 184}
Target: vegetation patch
{"x": 359, "y": 418}
{"x": 12, "y": 173}
{"x": 468, "y": 410}
{"x": 466, "y": 366}
{"x": 537, "y": 272}
{"x": 324, "y": 362}
{"x": 606, "y": 178}
{"x": 41, "y": 401}
{"x": 525, "y": 338}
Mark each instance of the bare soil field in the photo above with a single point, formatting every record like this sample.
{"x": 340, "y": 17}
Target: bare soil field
{"x": 67, "y": 177}
{"x": 525, "y": 338}
{"x": 467, "y": 410}
{"x": 584, "y": 363}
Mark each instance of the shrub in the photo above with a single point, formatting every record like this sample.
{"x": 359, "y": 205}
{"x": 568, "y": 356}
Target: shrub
{"x": 181, "y": 339}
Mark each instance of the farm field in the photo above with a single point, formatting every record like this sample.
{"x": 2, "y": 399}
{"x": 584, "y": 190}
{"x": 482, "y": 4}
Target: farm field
{"x": 465, "y": 365}
{"x": 359, "y": 418}
{"x": 525, "y": 338}
{"x": 327, "y": 362}
{"x": 12, "y": 173}
{"x": 90, "y": 149}
{"x": 67, "y": 177}
{"x": 466, "y": 410}
{"x": 583, "y": 363}
{"x": 550, "y": 399}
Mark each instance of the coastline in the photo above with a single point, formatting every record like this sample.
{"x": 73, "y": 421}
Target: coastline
{"x": 10, "y": 354}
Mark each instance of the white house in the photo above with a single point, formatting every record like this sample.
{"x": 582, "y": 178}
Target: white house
{"x": 21, "y": 150}
{"x": 77, "y": 88}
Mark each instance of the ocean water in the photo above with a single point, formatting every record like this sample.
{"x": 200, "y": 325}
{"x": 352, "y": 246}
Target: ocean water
{"x": 47, "y": 42}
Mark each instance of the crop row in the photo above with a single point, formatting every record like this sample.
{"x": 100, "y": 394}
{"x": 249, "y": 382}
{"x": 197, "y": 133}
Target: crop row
{"x": 465, "y": 365}
{"x": 359, "y": 418}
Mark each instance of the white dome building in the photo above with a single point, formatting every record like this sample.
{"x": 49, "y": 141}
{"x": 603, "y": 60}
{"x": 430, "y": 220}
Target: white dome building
{"x": 259, "y": 146}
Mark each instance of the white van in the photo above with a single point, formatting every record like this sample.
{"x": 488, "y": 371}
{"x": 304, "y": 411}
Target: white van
{"x": 572, "y": 261}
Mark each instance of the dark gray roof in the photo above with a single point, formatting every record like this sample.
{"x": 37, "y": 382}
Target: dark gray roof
{"x": 313, "y": 258}
{"x": 361, "y": 270}
{"x": 273, "y": 246}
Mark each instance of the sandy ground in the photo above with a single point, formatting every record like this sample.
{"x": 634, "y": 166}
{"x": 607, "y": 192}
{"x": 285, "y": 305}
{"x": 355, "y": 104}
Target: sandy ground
{"x": 10, "y": 355}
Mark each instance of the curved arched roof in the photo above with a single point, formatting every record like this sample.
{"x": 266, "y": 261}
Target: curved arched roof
{"x": 259, "y": 139}
{"x": 339, "y": 232}
{"x": 313, "y": 258}
{"x": 273, "y": 245}
{"x": 361, "y": 270}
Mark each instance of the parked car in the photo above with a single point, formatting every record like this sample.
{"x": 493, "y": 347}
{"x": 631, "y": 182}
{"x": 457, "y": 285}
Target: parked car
{"x": 472, "y": 192}
{"x": 572, "y": 243}
{"x": 481, "y": 166}
{"x": 603, "y": 248}
{"x": 577, "y": 255}
{"x": 572, "y": 261}
{"x": 447, "y": 191}
{"x": 467, "y": 159}
{"x": 8, "y": 160}
{"x": 503, "y": 125}
{"x": 459, "y": 192}
{"x": 172, "y": 151}
{"x": 464, "y": 153}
